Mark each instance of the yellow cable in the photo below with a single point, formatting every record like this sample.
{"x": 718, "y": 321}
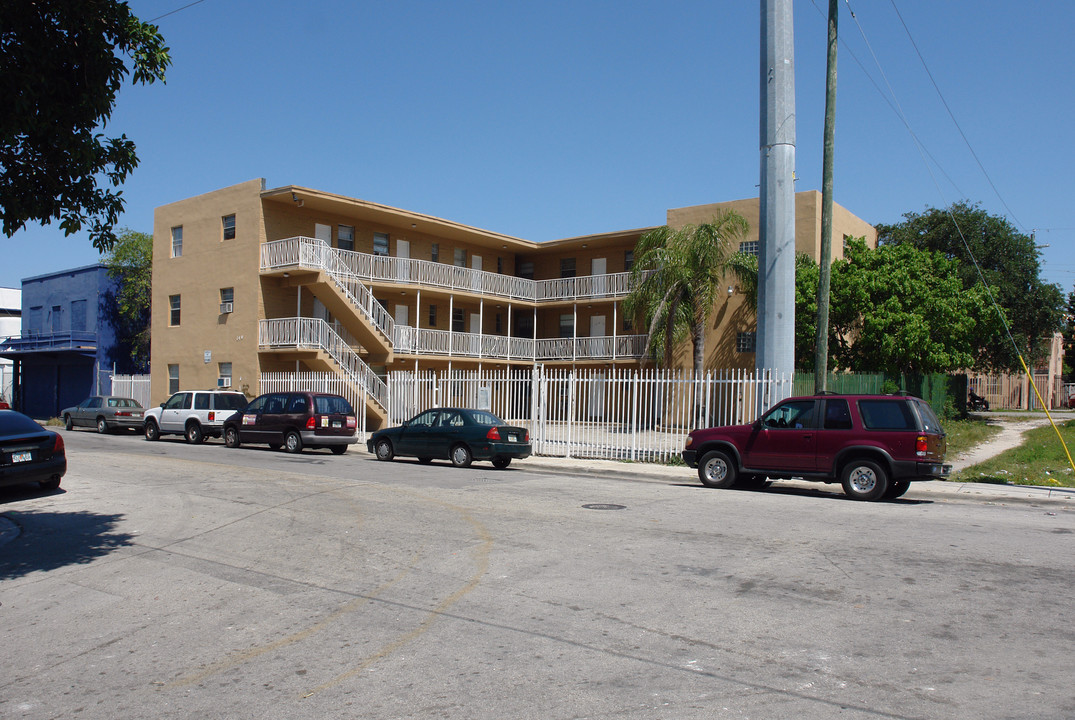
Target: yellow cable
{"x": 1043, "y": 404}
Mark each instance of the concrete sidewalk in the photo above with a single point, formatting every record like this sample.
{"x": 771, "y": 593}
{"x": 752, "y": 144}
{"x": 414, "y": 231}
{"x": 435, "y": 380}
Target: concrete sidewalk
{"x": 933, "y": 489}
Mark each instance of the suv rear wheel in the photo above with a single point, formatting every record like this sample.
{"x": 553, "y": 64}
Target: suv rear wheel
{"x": 864, "y": 480}
{"x": 716, "y": 470}
{"x": 194, "y": 433}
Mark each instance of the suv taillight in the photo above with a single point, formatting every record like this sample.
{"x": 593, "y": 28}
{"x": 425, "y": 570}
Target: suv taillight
{"x": 920, "y": 445}
{"x": 493, "y": 434}
{"x": 352, "y": 421}
{"x": 311, "y": 422}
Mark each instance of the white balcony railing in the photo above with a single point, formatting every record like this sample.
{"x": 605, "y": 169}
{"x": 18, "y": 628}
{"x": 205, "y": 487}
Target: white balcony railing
{"x": 408, "y": 340}
{"x": 316, "y": 334}
{"x": 408, "y": 271}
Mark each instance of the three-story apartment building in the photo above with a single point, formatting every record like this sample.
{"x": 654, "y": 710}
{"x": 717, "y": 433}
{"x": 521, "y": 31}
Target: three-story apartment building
{"x": 248, "y": 280}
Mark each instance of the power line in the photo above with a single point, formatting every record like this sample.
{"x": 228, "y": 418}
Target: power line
{"x": 953, "y": 117}
{"x": 173, "y": 12}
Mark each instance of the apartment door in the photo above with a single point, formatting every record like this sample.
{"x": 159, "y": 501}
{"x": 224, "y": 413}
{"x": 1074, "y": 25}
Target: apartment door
{"x": 476, "y": 264}
{"x": 323, "y": 232}
{"x": 403, "y": 253}
{"x": 597, "y": 326}
{"x": 599, "y": 269}
{"x": 402, "y": 314}
{"x": 475, "y": 323}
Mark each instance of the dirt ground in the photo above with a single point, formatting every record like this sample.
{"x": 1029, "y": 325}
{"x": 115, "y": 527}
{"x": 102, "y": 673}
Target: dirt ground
{"x": 1010, "y": 436}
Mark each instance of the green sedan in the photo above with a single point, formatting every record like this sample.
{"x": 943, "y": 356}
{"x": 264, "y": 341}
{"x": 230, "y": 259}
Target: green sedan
{"x": 455, "y": 434}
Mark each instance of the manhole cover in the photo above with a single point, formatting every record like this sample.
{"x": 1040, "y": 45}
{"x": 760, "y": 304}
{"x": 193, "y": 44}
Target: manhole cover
{"x": 604, "y": 506}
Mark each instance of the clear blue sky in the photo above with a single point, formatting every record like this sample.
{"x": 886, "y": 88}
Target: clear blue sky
{"x": 549, "y": 119}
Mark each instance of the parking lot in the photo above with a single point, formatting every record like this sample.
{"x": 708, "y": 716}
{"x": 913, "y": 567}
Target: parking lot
{"x": 172, "y": 580}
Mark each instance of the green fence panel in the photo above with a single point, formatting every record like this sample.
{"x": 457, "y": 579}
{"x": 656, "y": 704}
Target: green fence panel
{"x": 946, "y": 394}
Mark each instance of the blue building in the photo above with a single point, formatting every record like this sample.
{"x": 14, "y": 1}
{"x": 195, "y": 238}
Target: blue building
{"x": 68, "y": 347}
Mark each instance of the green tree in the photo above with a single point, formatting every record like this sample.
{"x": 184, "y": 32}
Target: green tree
{"x": 898, "y": 309}
{"x": 807, "y": 274}
{"x": 130, "y": 265}
{"x": 676, "y": 279}
{"x": 1009, "y": 263}
{"x": 61, "y": 65}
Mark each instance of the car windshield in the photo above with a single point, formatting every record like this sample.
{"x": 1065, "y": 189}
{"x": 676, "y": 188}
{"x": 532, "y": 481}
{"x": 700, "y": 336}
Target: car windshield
{"x": 331, "y": 405}
{"x": 14, "y": 423}
{"x": 484, "y": 418}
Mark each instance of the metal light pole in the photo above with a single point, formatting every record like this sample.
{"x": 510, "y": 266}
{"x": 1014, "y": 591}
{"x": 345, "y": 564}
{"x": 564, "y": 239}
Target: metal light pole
{"x": 776, "y": 232}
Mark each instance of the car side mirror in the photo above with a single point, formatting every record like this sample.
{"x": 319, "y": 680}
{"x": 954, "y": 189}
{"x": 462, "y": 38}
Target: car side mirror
{"x": 162, "y": 405}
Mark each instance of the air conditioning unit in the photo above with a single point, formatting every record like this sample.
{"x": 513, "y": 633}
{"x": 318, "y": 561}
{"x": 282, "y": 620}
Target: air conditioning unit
{"x": 225, "y": 307}
{"x": 223, "y": 382}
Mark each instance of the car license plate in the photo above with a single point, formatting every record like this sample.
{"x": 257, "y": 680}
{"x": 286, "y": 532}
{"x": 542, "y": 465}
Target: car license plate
{"x": 512, "y": 437}
{"x": 22, "y": 456}
{"x": 337, "y": 423}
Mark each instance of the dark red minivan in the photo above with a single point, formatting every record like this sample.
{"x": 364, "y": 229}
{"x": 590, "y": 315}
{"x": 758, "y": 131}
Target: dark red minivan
{"x": 293, "y": 421}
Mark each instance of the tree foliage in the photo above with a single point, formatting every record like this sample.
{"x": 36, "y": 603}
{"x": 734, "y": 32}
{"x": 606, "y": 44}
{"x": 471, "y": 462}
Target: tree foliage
{"x": 898, "y": 309}
{"x": 675, "y": 281}
{"x": 130, "y": 265}
{"x": 62, "y": 62}
{"x": 1009, "y": 263}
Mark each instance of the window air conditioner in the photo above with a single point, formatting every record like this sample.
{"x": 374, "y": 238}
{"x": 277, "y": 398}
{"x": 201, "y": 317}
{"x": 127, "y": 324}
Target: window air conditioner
{"x": 225, "y": 307}
{"x": 223, "y": 382}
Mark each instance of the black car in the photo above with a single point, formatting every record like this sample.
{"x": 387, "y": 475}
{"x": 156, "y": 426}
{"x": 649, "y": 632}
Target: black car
{"x": 294, "y": 420}
{"x": 455, "y": 434}
{"x": 29, "y": 452}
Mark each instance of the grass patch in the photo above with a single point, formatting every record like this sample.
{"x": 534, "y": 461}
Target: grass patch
{"x": 962, "y": 435}
{"x": 1040, "y": 460}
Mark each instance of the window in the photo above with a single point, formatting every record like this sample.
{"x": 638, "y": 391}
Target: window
{"x": 567, "y": 267}
{"x": 837, "y": 415}
{"x": 434, "y": 252}
{"x": 228, "y": 221}
{"x": 173, "y": 303}
{"x": 526, "y": 270}
{"x": 227, "y": 300}
{"x": 628, "y": 325}
{"x": 225, "y": 374}
{"x": 380, "y": 244}
{"x": 795, "y": 414}
{"x": 346, "y": 237}
{"x": 750, "y": 247}
{"x": 887, "y": 415}
{"x": 178, "y": 400}
{"x": 332, "y": 405}
{"x": 173, "y": 378}
{"x": 460, "y": 257}
{"x": 177, "y": 241}
{"x": 298, "y": 405}
{"x": 746, "y": 342}
{"x": 628, "y": 260}
{"x": 567, "y": 326}
{"x": 432, "y": 316}
{"x": 459, "y": 318}
{"x": 78, "y": 315}
{"x": 201, "y": 401}
{"x": 500, "y": 266}
{"x": 426, "y": 419}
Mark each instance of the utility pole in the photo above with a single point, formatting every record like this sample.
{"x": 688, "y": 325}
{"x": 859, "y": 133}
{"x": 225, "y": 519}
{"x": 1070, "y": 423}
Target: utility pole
{"x": 821, "y": 340}
{"x": 776, "y": 230}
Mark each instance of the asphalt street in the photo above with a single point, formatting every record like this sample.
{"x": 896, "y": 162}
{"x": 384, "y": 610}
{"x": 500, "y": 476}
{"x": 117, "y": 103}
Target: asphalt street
{"x": 173, "y": 581}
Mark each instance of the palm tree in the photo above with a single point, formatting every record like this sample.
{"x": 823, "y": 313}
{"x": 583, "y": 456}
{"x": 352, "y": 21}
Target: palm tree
{"x": 675, "y": 282}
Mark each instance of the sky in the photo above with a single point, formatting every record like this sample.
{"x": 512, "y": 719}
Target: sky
{"x": 548, "y": 119}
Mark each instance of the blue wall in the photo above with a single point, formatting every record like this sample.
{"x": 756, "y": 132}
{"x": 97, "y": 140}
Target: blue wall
{"x": 61, "y": 313}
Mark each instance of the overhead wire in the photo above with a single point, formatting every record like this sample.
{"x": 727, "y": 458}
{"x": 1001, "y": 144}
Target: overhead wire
{"x": 959, "y": 230}
{"x": 173, "y": 12}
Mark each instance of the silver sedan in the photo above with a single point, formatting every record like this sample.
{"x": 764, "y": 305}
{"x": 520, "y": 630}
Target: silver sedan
{"x": 106, "y": 413}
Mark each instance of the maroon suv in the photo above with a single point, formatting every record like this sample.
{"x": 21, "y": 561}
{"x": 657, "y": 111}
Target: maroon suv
{"x": 874, "y": 445}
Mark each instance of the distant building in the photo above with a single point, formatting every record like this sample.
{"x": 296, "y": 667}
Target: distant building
{"x": 65, "y": 348}
{"x": 10, "y": 325}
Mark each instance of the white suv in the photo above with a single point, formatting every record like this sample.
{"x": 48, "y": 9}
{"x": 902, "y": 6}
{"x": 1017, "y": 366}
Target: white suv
{"x": 195, "y": 414}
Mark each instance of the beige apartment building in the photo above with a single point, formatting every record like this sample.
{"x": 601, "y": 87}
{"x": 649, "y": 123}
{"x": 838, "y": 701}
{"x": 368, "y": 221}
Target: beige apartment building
{"x": 249, "y": 281}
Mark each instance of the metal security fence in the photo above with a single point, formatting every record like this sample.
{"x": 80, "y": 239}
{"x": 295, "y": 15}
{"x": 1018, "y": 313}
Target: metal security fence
{"x": 610, "y": 414}
{"x": 132, "y": 386}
